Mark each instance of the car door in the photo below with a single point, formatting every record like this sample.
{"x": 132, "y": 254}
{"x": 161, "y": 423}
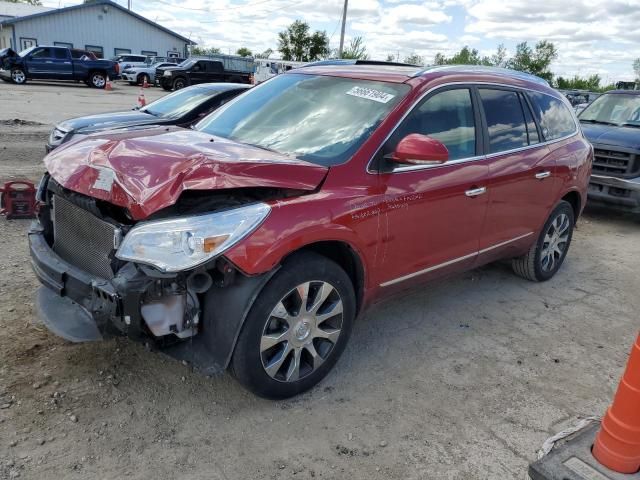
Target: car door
{"x": 434, "y": 214}
{"x": 198, "y": 72}
{"x": 214, "y": 72}
{"x": 62, "y": 68}
{"x": 39, "y": 63}
{"x": 521, "y": 171}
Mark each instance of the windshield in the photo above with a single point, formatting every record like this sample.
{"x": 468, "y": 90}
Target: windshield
{"x": 320, "y": 119}
{"x": 613, "y": 109}
{"x": 179, "y": 103}
{"x": 26, "y": 51}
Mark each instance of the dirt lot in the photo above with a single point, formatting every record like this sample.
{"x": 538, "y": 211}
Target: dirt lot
{"x": 463, "y": 380}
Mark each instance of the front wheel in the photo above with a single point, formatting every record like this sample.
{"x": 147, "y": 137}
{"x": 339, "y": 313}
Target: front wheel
{"x": 296, "y": 329}
{"x": 144, "y": 78}
{"x": 179, "y": 83}
{"x": 545, "y": 257}
{"x": 18, "y": 76}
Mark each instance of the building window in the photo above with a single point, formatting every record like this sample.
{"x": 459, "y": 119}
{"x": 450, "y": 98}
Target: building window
{"x": 63, "y": 44}
{"x": 173, "y": 54}
{"x": 121, "y": 51}
{"x": 149, "y": 53}
{"x": 97, "y": 51}
{"x": 27, "y": 42}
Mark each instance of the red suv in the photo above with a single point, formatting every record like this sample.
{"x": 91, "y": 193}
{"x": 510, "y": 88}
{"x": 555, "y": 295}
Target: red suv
{"x": 255, "y": 239}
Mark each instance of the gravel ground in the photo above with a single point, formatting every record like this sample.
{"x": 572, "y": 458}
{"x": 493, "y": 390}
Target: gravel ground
{"x": 462, "y": 380}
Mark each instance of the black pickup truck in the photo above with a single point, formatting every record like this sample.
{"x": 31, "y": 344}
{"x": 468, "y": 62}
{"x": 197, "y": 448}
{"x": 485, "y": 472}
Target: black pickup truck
{"x": 54, "y": 63}
{"x": 612, "y": 124}
{"x": 226, "y": 68}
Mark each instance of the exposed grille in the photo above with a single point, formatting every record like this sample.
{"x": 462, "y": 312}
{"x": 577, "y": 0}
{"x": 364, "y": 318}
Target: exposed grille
{"x": 614, "y": 162}
{"x": 82, "y": 239}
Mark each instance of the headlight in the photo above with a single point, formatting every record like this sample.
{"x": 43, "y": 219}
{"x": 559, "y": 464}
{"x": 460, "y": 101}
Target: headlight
{"x": 57, "y": 136}
{"x": 183, "y": 243}
{"x": 167, "y": 73}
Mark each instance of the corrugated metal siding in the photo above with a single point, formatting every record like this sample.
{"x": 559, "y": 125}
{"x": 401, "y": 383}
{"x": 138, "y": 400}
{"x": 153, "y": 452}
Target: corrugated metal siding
{"x": 101, "y": 26}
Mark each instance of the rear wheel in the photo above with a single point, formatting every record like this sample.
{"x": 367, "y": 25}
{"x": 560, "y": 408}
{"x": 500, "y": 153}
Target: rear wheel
{"x": 546, "y": 256}
{"x": 97, "y": 80}
{"x": 296, "y": 329}
{"x": 18, "y": 76}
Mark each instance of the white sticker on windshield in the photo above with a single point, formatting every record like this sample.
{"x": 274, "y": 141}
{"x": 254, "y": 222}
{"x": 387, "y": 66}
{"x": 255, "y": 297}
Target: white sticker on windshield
{"x": 370, "y": 94}
{"x": 105, "y": 179}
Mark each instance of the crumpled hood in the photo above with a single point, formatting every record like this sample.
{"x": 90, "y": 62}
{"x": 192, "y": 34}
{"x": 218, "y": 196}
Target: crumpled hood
{"x": 147, "y": 171}
{"x": 107, "y": 121}
{"x": 626, "y": 137}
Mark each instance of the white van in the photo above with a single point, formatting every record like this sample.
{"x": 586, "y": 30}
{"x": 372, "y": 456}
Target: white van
{"x": 267, "y": 68}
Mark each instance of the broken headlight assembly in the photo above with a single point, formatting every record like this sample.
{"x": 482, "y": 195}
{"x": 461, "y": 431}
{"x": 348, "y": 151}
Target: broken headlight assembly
{"x": 183, "y": 243}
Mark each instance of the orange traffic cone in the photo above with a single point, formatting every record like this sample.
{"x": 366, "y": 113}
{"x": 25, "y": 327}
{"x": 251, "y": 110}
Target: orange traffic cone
{"x": 141, "y": 100}
{"x": 617, "y": 445}
{"x": 145, "y": 84}
{"x": 107, "y": 86}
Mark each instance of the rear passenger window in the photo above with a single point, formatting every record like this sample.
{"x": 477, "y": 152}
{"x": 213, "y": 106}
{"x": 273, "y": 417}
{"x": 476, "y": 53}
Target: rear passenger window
{"x": 60, "y": 54}
{"x": 532, "y": 132}
{"x": 553, "y": 116}
{"x": 446, "y": 116}
{"x": 505, "y": 120}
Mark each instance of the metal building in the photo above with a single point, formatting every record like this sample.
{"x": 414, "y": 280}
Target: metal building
{"x": 102, "y": 26}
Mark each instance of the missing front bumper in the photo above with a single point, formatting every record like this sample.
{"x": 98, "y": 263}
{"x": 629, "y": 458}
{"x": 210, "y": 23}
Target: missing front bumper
{"x": 619, "y": 192}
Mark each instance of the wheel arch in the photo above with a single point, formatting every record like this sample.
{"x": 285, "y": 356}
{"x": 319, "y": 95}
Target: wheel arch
{"x": 574, "y": 199}
{"x": 346, "y": 257}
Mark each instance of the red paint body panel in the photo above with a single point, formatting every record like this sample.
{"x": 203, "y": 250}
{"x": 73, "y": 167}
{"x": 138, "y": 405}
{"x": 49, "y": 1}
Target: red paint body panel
{"x": 152, "y": 169}
{"x": 405, "y": 227}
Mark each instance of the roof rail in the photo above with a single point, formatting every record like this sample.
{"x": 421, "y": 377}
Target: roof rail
{"x": 484, "y": 69}
{"x": 349, "y": 61}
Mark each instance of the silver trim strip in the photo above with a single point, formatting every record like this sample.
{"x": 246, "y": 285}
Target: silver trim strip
{"x": 630, "y": 181}
{"x": 476, "y": 157}
{"x": 542, "y": 175}
{"x": 451, "y": 262}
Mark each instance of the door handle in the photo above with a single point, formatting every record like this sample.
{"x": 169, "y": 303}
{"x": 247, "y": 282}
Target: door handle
{"x": 474, "y": 192}
{"x": 542, "y": 175}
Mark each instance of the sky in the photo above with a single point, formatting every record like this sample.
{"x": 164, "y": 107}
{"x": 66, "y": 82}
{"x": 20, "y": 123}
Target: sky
{"x": 592, "y": 36}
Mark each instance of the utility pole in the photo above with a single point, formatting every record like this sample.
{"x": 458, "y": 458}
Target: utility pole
{"x": 129, "y": 4}
{"x": 344, "y": 23}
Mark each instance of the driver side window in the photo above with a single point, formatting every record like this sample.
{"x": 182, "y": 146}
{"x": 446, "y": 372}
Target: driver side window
{"x": 446, "y": 116}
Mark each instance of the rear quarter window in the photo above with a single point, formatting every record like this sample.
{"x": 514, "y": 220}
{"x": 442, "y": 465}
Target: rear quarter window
{"x": 553, "y": 116}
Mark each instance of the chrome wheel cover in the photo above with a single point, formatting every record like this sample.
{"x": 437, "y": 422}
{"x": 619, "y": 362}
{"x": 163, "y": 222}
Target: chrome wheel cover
{"x": 555, "y": 242}
{"x": 301, "y": 331}
{"x": 18, "y": 76}
{"x": 98, "y": 81}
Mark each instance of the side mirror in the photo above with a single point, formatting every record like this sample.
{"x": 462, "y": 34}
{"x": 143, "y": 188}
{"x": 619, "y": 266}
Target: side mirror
{"x": 417, "y": 149}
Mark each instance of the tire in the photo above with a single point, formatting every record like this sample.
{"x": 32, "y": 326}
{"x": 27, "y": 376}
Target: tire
{"x": 141, "y": 78}
{"x": 264, "y": 358}
{"x": 179, "y": 83}
{"x": 18, "y": 76}
{"x": 166, "y": 87}
{"x": 97, "y": 80}
{"x": 539, "y": 264}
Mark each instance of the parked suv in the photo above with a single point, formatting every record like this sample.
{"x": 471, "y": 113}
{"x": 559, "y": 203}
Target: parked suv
{"x": 254, "y": 240}
{"x": 612, "y": 124}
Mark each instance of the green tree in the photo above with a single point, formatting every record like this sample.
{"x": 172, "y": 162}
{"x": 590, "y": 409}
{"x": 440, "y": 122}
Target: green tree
{"x": 414, "y": 59}
{"x": 591, "y": 83}
{"x": 499, "y": 59}
{"x": 297, "y": 43}
{"x": 29, "y": 2}
{"x": 391, "y": 57}
{"x": 196, "y": 50}
{"x": 535, "y": 61}
{"x": 471, "y": 56}
{"x": 244, "y": 52}
{"x": 356, "y": 49}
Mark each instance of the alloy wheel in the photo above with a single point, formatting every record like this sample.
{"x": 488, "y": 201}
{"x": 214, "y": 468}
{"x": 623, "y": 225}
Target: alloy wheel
{"x": 555, "y": 242}
{"x": 98, "y": 81}
{"x": 18, "y": 76}
{"x": 301, "y": 331}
